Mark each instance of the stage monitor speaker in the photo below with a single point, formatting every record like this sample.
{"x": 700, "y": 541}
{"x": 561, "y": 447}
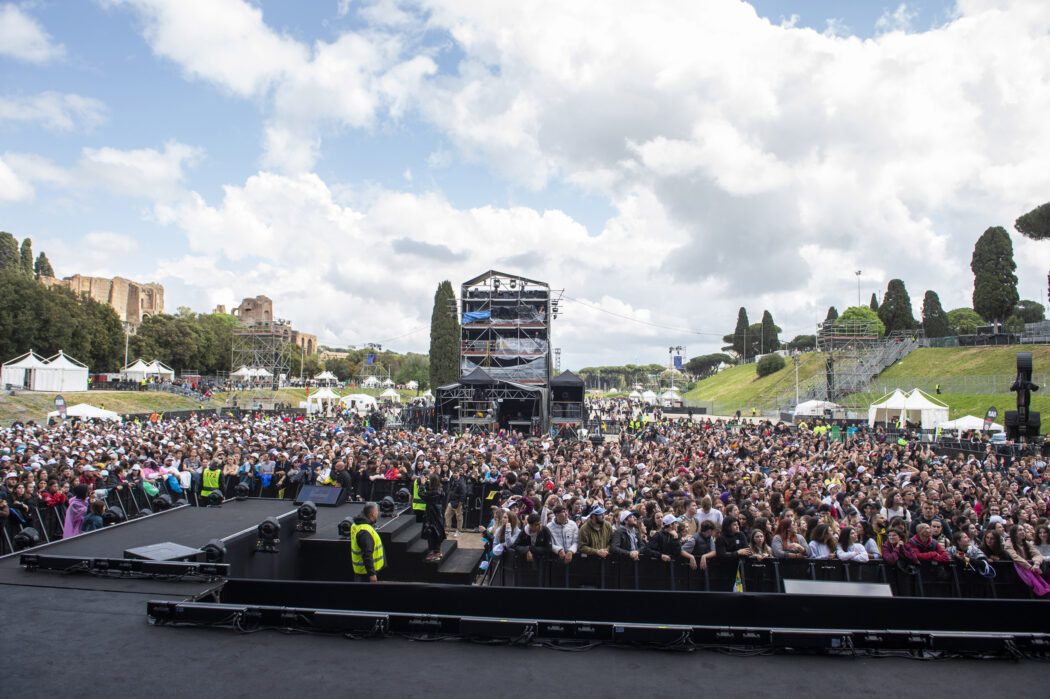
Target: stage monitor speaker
{"x": 846, "y": 589}
{"x": 321, "y": 495}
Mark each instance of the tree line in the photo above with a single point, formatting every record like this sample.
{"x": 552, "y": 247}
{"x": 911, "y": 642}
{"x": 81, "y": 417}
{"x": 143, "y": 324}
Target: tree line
{"x": 18, "y": 259}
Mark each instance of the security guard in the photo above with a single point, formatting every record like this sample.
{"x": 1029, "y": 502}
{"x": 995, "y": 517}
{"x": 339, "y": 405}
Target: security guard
{"x": 418, "y": 506}
{"x": 366, "y": 548}
{"x": 210, "y": 478}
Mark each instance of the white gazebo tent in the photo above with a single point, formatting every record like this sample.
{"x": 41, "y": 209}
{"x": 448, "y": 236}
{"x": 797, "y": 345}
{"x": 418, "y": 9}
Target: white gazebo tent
{"x": 358, "y": 402}
{"x": 387, "y": 383}
{"x": 61, "y": 373}
{"x": 428, "y": 394}
{"x": 85, "y": 411}
{"x": 260, "y": 373}
{"x": 370, "y": 382}
{"x": 321, "y": 399}
{"x": 136, "y": 371}
{"x": 412, "y": 385}
{"x": 242, "y": 373}
{"x": 915, "y": 407}
{"x": 160, "y": 370}
{"x": 635, "y": 395}
{"x": 887, "y": 409}
{"x": 391, "y": 395}
{"x": 19, "y": 371}
{"x": 670, "y": 398}
{"x": 326, "y": 378}
{"x": 815, "y": 407}
{"x": 968, "y": 422}
{"x": 649, "y": 397}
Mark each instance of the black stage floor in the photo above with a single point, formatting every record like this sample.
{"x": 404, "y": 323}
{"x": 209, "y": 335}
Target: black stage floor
{"x": 105, "y": 636}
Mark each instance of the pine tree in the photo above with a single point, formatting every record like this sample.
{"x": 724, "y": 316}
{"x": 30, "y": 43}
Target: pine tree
{"x": 1036, "y": 223}
{"x": 874, "y": 303}
{"x": 895, "y": 311}
{"x": 444, "y": 338}
{"x": 832, "y": 316}
{"x": 42, "y": 266}
{"x": 934, "y": 320}
{"x": 9, "y": 257}
{"x": 994, "y": 282}
{"x": 739, "y": 340}
{"x": 770, "y": 341}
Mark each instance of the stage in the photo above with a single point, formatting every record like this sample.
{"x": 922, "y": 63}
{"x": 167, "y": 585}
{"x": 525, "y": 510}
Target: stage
{"x": 299, "y": 621}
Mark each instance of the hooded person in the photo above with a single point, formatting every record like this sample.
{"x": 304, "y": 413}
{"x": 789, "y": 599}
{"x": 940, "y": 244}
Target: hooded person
{"x": 78, "y": 507}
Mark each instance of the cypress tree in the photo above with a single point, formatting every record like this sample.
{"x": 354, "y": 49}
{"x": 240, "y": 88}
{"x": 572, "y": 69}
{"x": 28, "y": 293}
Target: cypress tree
{"x": 26, "y": 254}
{"x": 10, "y": 261}
{"x": 42, "y": 266}
{"x": 444, "y": 338}
{"x": 770, "y": 342}
{"x": 832, "y": 316}
{"x": 895, "y": 312}
{"x": 994, "y": 282}
{"x": 874, "y": 303}
{"x": 934, "y": 319}
{"x": 740, "y": 333}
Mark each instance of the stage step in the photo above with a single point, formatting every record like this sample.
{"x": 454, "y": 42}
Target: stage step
{"x": 397, "y": 525}
{"x": 461, "y": 562}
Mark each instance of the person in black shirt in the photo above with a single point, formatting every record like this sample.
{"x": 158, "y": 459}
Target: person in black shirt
{"x": 732, "y": 543}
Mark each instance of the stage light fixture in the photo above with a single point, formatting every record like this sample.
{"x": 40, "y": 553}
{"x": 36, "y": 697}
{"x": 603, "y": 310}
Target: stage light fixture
{"x": 403, "y": 496}
{"x": 345, "y": 528}
{"x": 307, "y": 514}
{"x": 162, "y": 502}
{"x": 386, "y": 506}
{"x": 214, "y": 551}
{"x": 113, "y": 515}
{"x": 269, "y": 531}
{"x": 215, "y": 498}
{"x": 144, "y": 512}
{"x": 26, "y": 538}
{"x": 242, "y": 491}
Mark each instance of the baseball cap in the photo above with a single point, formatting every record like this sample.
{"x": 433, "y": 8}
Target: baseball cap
{"x": 598, "y": 510}
{"x": 669, "y": 519}
{"x": 625, "y": 514}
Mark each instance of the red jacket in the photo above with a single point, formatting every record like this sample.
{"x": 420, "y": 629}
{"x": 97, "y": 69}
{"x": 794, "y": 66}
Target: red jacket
{"x": 931, "y": 551}
{"x": 54, "y": 499}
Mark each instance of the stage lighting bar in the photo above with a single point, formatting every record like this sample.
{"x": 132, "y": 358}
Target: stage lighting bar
{"x": 123, "y": 566}
{"x": 253, "y": 616}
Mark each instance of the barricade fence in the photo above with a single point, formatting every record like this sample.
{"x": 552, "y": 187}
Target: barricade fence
{"x": 751, "y": 575}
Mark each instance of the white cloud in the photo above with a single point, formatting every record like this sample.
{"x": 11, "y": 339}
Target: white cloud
{"x": 897, "y": 21}
{"x": 23, "y": 38}
{"x": 53, "y": 110}
{"x": 13, "y": 187}
{"x": 99, "y": 253}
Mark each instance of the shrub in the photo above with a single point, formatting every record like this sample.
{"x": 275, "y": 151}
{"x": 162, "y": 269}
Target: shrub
{"x": 769, "y": 364}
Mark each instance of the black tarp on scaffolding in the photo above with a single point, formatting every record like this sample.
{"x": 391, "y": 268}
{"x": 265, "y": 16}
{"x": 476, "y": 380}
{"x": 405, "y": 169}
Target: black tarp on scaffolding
{"x": 480, "y": 402}
{"x": 567, "y": 398}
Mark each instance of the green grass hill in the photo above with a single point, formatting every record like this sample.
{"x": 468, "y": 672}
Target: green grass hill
{"x": 967, "y": 361}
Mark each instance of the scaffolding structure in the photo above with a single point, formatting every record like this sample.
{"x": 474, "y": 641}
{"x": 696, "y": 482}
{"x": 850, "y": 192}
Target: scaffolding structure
{"x": 263, "y": 356}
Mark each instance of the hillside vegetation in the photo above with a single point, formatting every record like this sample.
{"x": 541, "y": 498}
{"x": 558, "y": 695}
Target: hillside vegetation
{"x": 740, "y": 387}
{"x": 967, "y": 361}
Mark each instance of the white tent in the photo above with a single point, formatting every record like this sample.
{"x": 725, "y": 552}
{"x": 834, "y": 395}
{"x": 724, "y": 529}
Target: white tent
{"x": 391, "y": 394}
{"x": 85, "y": 411}
{"x": 19, "y": 371}
{"x": 649, "y": 397}
{"x": 61, "y": 373}
{"x": 326, "y": 377}
{"x": 359, "y": 402}
{"x": 815, "y": 407}
{"x": 412, "y": 385}
{"x": 315, "y": 402}
{"x": 370, "y": 382}
{"x": 260, "y": 373}
{"x": 635, "y": 395}
{"x": 428, "y": 394}
{"x": 968, "y": 422}
{"x": 242, "y": 373}
{"x": 915, "y": 407}
{"x": 387, "y": 383}
{"x": 160, "y": 370}
{"x": 670, "y": 398}
{"x": 136, "y": 371}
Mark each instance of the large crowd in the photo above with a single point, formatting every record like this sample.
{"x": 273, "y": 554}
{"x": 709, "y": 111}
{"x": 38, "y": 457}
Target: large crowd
{"x": 663, "y": 488}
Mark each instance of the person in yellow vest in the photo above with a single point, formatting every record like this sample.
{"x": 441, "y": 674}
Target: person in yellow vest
{"x": 366, "y": 548}
{"x": 211, "y": 478}
{"x": 419, "y": 507}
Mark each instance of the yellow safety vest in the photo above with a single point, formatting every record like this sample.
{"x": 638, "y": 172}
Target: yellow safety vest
{"x": 357, "y": 555}
{"x": 417, "y": 502}
{"x": 210, "y": 481}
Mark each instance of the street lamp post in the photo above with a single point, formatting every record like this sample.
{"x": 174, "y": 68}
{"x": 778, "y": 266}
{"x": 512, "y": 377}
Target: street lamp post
{"x": 795, "y": 361}
{"x": 858, "y": 286}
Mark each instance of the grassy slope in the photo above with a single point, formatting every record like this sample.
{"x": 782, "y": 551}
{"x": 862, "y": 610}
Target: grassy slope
{"x": 967, "y": 361}
{"x": 36, "y": 406}
{"x": 740, "y": 386}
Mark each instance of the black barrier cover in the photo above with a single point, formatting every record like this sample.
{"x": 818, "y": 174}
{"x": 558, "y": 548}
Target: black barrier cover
{"x": 650, "y": 607}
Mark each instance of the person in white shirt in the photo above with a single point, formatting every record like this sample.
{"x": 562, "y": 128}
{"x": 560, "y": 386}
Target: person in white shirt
{"x": 823, "y": 543}
{"x": 849, "y": 548}
{"x": 706, "y": 512}
{"x": 565, "y": 535}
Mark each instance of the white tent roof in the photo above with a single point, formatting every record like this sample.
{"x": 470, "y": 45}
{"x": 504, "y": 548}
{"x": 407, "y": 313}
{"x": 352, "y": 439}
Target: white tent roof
{"x": 915, "y": 407}
{"x": 815, "y": 407}
{"x": 357, "y": 397}
{"x": 428, "y": 394}
{"x": 325, "y": 376}
{"x": 323, "y": 394}
{"x": 156, "y": 367}
{"x": 671, "y": 394}
{"x": 83, "y": 410}
{"x": 242, "y": 372}
{"x": 635, "y": 395}
{"x": 412, "y": 385}
{"x": 64, "y": 361}
{"x": 649, "y": 397}
{"x": 370, "y": 381}
{"x": 969, "y": 422}
{"x": 138, "y": 365}
{"x": 260, "y": 372}
{"x": 917, "y": 400}
{"x": 388, "y": 382}
{"x": 29, "y": 360}
{"x": 390, "y": 393}
{"x": 892, "y": 401}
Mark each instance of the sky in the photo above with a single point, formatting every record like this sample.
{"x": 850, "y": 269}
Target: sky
{"x": 663, "y": 163}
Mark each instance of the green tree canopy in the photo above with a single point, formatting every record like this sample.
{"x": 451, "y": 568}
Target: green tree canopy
{"x": 1036, "y": 223}
{"x": 964, "y": 321}
{"x": 42, "y": 266}
{"x": 874, "y": 303}
{"x": 415, "y": 367}
{"x": 895, "y": 311}
{"x": 10, "y": 260}
{"x": 935, "y": 321}
{"x": 444, "y": 337}
{"x": 769, "y": 340}
{"x": 706, "y": 364}
{"x": 994, "y": 281}
{"x": 832, "y": 315}
{"x": 855, "y": 314}
{"x": 1030, "y": 311}
{"x": 738, "y": 341}
{"x": 26, "y": 257}
{"x": 769, "y": 364}
{"x": 802, "y": 343}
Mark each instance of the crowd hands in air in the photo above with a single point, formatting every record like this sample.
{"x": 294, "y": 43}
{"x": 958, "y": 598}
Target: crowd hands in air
{"x": 664, "y": 488}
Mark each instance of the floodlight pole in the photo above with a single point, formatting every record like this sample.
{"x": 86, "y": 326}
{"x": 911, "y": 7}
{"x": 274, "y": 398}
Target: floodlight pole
{"x": 795, "y": 361}
{"x": 858, "y": 286}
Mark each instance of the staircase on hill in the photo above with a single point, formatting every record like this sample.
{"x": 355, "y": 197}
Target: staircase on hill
{"x": 853, "y": 355}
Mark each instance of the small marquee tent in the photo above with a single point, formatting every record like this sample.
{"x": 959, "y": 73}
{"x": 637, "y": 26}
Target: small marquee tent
{"x": 649, "y": 397}
{"x": 136, "y": 371}
{"x": 87, "y": 412}
{"x": 160, "y": 370}
{"x": 317, "y": 401}
{"x": 391, "y": 395}
{"x": 915, "y": 407}
{"x": 670, "y": 398}
{"x": 387, "y": 383}
{"x": 370, "y": 382}
{"x": 61, "y": 373}
{"x": 19, "y": 371}
{"x": 968, "y": 422}
{"x": 815, "y": 407}
{"x": 634, "y": 395}
{"x": 412, "y": 385}
{"x": 326, "y": 378}
{"x": 358, "y": 402}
